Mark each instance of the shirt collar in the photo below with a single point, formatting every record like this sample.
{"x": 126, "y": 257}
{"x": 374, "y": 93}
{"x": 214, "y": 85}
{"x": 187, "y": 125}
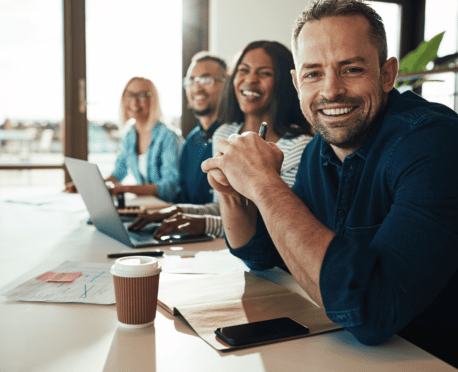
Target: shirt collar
{"x": 209, "y": 132}
{"x": 212, "y": 128}
{"x": 328, "y": 155}
{"x": 363, "y": 151}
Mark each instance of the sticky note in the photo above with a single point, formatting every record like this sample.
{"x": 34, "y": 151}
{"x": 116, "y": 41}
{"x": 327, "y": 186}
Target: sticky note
{"x": 59, "y": 277}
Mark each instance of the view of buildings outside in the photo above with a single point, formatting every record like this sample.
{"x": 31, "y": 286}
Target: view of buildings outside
{"x": 123, "y": 39}
{"x": 442, "y": 15}
{"x": 126, "y": 38}
{"x": 31, "y": 72}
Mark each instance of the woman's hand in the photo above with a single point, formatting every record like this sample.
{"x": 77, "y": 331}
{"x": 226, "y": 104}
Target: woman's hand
{"x": 181, "y": 222}
{"x": 156, "y": 216}
{"x": 71, "y": 188}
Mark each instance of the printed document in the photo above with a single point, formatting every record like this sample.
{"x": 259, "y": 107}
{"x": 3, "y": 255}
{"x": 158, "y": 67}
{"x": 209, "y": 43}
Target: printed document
{"x": 94, "y": 286}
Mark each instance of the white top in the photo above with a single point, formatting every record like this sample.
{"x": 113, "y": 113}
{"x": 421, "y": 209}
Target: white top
{"x": 143, "y": 164}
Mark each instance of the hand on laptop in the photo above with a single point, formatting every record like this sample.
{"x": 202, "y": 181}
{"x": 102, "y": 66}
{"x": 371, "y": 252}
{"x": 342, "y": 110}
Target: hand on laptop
{"x": 70, "y": 187}
{"x": 156, "y": 216}
{"x": 181, "y": 222}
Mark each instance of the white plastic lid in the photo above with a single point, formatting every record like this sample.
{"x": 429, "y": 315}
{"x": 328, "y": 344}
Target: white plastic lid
{"x": 136, "y": 266}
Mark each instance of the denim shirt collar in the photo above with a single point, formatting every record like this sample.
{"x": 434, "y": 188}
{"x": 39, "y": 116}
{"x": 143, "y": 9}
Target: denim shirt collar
{"x": 209, "y": 132}
{"x": 134, "y": 132}
{"x": 212, "y": 128}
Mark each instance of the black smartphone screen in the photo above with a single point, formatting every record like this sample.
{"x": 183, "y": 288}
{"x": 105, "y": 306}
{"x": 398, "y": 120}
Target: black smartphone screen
{"x": 265, "y": 330}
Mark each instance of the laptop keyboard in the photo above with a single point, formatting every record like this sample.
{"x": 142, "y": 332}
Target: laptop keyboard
{"x": 144, "y": 235}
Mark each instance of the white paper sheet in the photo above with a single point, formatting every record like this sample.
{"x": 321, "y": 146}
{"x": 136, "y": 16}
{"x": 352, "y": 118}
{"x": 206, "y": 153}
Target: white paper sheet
{"x": 94, "y": 286}
{"x": 206, "y": 262}
{"x": 52, "y": 201}
{"x": 42, "y": 199}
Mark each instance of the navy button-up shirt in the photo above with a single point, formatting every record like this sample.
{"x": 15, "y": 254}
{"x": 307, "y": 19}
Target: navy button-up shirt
{"x": 195, "y": 188}
{"x": 393, "y": 204}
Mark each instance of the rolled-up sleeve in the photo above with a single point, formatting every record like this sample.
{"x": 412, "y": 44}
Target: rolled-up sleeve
{"x": 260, "y": 252}
{"x": 121, "y": 164}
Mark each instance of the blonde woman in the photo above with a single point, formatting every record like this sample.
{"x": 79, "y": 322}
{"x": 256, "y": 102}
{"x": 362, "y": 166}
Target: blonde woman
{"x": 150, "y": 150}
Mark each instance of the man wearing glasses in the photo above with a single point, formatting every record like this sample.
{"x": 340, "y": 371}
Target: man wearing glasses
{"x": 203, "y": 84}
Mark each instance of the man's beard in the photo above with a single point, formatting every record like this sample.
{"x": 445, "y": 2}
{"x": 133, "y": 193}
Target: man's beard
{"x": 205, "y": 112}
{"x": 359, "y": 128}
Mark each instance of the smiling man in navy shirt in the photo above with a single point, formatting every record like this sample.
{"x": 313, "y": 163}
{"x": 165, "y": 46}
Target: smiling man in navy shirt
{"x": 203, "y": 84}
{"x": 370, "y": 228}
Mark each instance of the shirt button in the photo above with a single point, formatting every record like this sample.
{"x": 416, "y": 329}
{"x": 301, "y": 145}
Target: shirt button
{"x": 351, "y": 166}
{"x": 341, "y": 213}
{"x": 325, "y": 163}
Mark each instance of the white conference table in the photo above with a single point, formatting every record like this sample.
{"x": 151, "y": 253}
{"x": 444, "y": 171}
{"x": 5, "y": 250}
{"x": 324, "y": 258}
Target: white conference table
{"x": 75, "y": 337}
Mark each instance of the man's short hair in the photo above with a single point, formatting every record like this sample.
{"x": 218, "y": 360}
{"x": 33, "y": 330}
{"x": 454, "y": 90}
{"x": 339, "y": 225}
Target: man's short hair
{"x": 207, "y": 56}
{"x": 319, "y": 9}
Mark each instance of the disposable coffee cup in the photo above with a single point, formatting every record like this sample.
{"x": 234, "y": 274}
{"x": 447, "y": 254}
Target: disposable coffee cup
{"x": 136, "y": 283}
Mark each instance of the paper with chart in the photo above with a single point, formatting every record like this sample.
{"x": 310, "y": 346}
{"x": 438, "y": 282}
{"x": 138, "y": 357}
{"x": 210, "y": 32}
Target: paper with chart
{"x": 94, "y": 286}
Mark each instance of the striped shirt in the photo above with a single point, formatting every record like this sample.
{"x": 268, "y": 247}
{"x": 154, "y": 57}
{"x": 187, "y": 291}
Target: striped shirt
{"x": 292, "y": 148}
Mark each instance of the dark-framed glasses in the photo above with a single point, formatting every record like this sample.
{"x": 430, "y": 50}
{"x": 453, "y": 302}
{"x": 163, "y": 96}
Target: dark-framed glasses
{"x": 140, "y": 96}
{"x": 205, "y": 81}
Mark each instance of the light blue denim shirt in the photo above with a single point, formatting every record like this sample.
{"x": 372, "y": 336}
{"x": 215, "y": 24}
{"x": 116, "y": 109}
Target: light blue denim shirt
{"x": 162, "y": 161}
{"x": 393, "y": 265}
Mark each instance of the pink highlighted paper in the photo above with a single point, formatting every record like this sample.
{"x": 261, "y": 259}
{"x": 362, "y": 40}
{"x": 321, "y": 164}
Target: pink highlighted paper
{"x": 59, "y": 277}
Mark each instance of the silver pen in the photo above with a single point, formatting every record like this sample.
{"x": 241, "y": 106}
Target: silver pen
{"x": 262, "y": 133}
{"x": 263, "y": 130}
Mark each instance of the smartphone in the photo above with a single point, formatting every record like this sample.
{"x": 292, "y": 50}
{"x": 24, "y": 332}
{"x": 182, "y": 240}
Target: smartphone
{"x": 265, "y": 330}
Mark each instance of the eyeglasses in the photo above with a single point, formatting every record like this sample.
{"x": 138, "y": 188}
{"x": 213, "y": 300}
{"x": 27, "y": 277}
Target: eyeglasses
{"x": 140, "y": 96}
{"x": 205, "y": 81}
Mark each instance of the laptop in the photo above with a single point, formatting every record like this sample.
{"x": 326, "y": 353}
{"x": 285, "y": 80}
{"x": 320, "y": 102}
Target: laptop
{"x": 105, "y": 217}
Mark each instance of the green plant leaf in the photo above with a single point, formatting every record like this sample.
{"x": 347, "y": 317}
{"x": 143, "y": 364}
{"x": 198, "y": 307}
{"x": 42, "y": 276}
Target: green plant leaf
{"x": 417, "y": 60}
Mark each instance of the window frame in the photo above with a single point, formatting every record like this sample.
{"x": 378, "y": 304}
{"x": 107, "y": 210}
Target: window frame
{"x": 195, "y": 38}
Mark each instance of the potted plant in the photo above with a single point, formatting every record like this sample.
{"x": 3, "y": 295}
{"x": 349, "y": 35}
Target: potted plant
{"x": 416, "y": 61}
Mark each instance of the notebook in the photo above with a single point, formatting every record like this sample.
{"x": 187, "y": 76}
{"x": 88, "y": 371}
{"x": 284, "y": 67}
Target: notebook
{"x": 99, "y": 203}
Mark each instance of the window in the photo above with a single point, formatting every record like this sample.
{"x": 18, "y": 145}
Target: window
{"x": 31, "y": 92}
{"x": 125, "y": 39}
{"x": 442, "y": 15}
{"x": 391, "y": 16}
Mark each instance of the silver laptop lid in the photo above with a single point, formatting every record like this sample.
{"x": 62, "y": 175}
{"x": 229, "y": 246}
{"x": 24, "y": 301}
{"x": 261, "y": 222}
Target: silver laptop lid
{"x": 99, "y": 203}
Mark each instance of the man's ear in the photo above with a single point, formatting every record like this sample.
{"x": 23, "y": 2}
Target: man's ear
{"x": 296, "y": 85}
{"x": 389, "y": 72}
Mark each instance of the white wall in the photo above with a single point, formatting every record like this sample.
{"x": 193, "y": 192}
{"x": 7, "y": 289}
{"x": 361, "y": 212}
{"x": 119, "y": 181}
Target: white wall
{"x": 235, "y": 23}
